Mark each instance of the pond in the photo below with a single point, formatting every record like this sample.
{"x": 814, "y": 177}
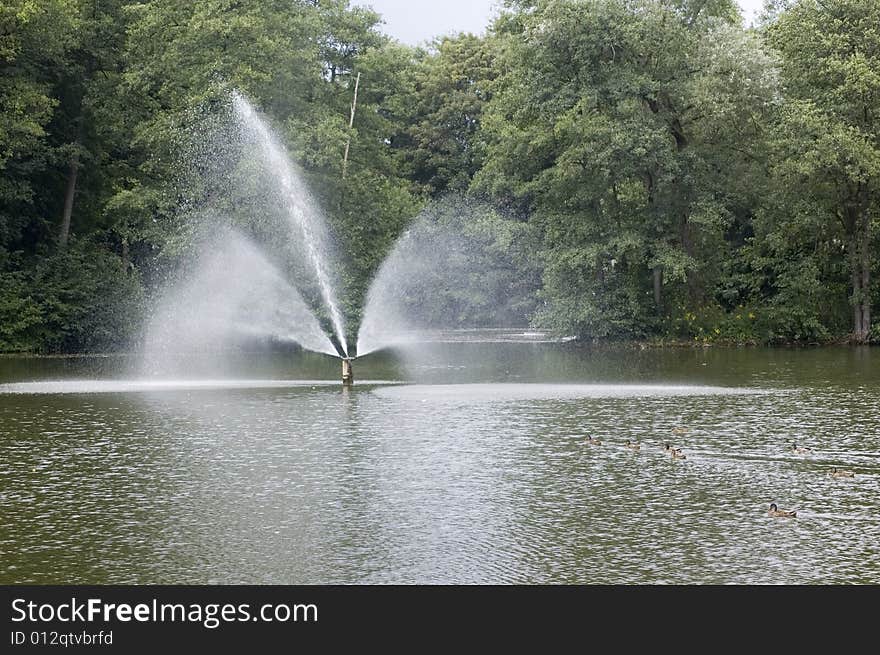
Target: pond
{"x": 463, "y": 460}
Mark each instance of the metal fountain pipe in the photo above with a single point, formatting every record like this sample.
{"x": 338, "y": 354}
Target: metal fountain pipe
{"x": 347, "y": 372}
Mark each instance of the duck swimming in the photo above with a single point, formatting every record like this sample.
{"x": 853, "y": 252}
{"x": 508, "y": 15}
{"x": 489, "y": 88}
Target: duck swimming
{"x": 840, "y": 473}
{"x": 674, "y": 452}
{"x": 800, "y": 450}
{"x": 593, "y": 441}
{"x": 632, "y": 446}
{"x": 775, "y": 511}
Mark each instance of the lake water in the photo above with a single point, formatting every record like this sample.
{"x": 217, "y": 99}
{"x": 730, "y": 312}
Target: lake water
{"x": 459, "y": 461}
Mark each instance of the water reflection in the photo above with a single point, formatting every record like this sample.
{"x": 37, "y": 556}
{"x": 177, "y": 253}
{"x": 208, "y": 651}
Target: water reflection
{"x": 301, "y": 482}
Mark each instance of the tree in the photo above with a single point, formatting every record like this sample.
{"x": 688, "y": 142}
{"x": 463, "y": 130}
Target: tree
{"x": 616, "y": 123}
{"x": 829, "y": 134}
{"x": 34, "y": 41}
{"x": 296, "y": 61}
{"x": 453, "y": 85}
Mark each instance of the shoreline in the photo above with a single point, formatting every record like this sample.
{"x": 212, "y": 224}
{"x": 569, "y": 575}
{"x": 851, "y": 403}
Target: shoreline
{"x": 590, "y": 344}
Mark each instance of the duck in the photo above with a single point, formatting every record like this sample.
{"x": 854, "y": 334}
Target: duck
{"x": 800, "y": 450}
{"x": 840, "y": 473}
{"x": 674, "y": 452}
{"x": 632, "y": 445}
{"x": 679, "y": 430}
{"x": 775, "y": 511}
{"x": 593, "y": 441}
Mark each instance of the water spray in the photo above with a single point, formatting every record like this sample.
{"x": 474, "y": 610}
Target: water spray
{"x": 303, "y": 213}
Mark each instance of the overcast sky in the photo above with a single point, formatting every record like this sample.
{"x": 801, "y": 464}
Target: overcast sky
{"x": 417, "y": 21}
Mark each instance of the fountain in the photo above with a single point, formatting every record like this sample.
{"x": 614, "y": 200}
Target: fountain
{"x": 300, "y": 208}
{"x": 449, "y": 270}
{"x": 231, "y": 293}
{"x": 266, "y": 272}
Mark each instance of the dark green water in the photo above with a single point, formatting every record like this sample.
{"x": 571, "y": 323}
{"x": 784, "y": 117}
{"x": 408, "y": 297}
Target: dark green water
{"x": 261, "y": 469}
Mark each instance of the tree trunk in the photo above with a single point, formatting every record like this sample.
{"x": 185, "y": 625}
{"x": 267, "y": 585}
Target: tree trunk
{"x": 69, "y": 194}
{"x": 696, "y": 291}
{"x": 861, "y": 310}
{"x": 658, "y": 286}
{"x": 860, "y": 277}
{"x": 72, "y": 174}
{"x": 126, "y": 258}
{"x": 354, "y": 103}
{"x": 866, "y": 290}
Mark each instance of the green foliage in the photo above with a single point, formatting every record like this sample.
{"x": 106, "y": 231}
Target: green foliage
{"x": 34, "y": 38}
{"x": 452, "y": 86}
{"x": 827, "y": 141}
{"x": 660, "y": 170}
{"x": 79, "y": 300}
{"x": 20, "y": 315}
{"x": 774, "y": 323}
{"x": 622, "y": 150}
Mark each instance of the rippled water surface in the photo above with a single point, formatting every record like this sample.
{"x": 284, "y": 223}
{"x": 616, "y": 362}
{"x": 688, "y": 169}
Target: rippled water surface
{"x": 454, "y": 462}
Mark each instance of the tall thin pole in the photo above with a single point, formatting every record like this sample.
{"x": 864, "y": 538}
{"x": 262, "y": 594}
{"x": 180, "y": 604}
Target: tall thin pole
{"x": 354, "y": 103}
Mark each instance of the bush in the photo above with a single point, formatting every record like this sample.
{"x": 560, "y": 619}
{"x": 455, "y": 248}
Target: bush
{"x": 19, "y": 314}
{"x": 80, "y": 300}
{"x": 792, "y": 324}
{"x": 751, "y": 324}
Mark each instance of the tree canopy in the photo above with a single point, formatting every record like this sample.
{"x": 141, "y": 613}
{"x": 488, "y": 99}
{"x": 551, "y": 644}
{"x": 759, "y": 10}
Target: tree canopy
{"x": 673, "y": 173}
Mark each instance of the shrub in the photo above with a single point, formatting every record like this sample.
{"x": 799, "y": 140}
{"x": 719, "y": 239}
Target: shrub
{"x": 80, "y": 300}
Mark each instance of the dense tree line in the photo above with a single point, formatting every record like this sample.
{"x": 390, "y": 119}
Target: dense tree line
{"x": 670, "y": 173}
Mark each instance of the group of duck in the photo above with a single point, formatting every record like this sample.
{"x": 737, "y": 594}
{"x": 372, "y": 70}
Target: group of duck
{"x": 676, "y": 453}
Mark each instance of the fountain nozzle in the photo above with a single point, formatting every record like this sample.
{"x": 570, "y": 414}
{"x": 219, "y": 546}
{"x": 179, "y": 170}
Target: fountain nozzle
{"x": 347, "y": 372}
